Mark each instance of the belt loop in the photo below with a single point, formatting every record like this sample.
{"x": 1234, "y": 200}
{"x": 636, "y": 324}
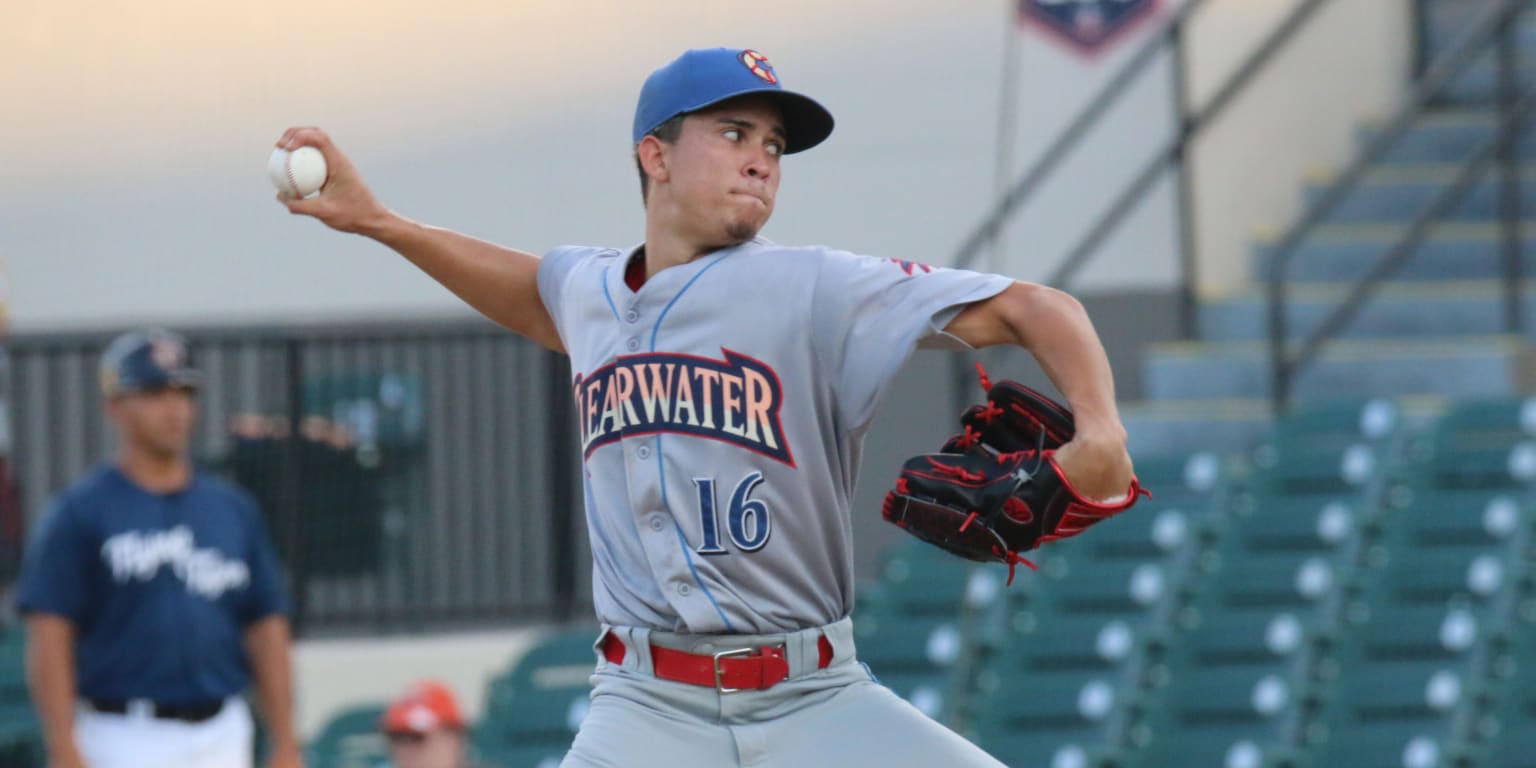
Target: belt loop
{"x": 840, "y": 634}
{"x": 637, "y": 648}
{"x": 804, "y": 657}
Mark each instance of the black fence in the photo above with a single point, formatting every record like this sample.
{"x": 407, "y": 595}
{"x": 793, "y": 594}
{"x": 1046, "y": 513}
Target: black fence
{"x": 411, "y": 476}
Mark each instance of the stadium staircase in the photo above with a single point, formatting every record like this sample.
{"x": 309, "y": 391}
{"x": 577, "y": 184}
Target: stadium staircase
{"x": 1351, "y": 585}
{"x": 1435, "y": 328}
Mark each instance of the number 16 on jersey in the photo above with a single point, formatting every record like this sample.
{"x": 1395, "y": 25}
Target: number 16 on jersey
{"x": 747, "y": 521}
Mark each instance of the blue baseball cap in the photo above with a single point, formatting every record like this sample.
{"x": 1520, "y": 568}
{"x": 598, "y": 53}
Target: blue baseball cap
{"x": 142, "y": 361}
{"x": 706, "y": 76}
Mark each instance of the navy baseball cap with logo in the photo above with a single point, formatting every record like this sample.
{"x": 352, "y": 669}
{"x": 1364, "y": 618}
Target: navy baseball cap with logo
{"x": 144, "y": 361}
{"x": 706, "y": 76}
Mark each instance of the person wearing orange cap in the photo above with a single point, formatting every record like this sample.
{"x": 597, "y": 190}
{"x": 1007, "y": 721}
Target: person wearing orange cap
{"x": 425, "y": 728}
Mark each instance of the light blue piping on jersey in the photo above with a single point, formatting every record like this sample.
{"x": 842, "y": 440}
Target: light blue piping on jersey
{"x": 682, "y": 540}
{"x": 609, "y": 295}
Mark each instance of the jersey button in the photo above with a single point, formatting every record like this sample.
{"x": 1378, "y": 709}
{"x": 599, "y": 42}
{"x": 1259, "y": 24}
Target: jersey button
{"x": 684, "y": 590}
{"x": 643, "y": 452}
{"x": 657, "y": 523}
{"x": 631, "y": 316}
{"x": 633, "y": 344}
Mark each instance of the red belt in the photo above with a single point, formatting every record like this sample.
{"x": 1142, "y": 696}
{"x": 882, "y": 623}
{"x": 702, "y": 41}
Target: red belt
{"x": 742, "y": 669}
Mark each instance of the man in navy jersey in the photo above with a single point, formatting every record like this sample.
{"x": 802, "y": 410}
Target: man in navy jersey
{"x": 152, "y": 594}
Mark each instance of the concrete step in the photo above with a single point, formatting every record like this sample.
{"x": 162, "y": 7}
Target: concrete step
{"x": 1398, "y": 310}
{"x": 1399, "y": 193}
{"x": 1478, "y": 83}
{"x": 1446, "y": 136}
{"x": 1448, "y": 18}
{"x": 1472, "y": 366}
{"x": 1453, "y": 251}
{"x": 1179, "y": 426}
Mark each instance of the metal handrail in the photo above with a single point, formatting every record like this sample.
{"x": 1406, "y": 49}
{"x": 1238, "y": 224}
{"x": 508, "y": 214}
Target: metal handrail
{"x": 1467, "y": 45}
{"x": 1190, "y": 126}
{"x": 1417, "y": 232}
{"x": 1067, "y": 138}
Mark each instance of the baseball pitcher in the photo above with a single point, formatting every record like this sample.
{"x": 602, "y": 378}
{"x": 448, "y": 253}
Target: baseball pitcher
{"x": 723, "y": 385}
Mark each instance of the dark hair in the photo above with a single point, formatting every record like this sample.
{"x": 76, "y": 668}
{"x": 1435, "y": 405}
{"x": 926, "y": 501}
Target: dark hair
{"x": 668, "y": 132}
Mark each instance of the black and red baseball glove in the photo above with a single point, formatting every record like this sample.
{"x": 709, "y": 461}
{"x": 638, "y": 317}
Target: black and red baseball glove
{"x": 995, "y": 490}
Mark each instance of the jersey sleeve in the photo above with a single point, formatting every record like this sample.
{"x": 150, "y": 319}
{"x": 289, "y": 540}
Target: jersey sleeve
{"x": 55, "y": 569}
{"x": 554, "y": 273}
{"x": 870, "y": 314}
{"x": 268, "y": 594}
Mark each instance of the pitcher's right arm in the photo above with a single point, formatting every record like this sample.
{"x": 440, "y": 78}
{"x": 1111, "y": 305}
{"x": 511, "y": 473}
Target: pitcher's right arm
{"x": 501, "y": 283}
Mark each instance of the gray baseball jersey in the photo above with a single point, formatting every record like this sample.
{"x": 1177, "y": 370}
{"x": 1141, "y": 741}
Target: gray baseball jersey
{"x": 722, "y": 408}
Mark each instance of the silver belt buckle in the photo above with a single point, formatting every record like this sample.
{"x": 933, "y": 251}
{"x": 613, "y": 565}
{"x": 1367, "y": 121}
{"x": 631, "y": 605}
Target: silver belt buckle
{"x": 720, "y": 675}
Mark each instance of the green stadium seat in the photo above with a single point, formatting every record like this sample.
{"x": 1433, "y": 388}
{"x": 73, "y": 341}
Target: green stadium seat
{"x": 1178, "y": 477}
{"x": 1229, "y": 687}
{"x": 1213, "y": 715}
{"x": 1474, "y": 577}
{"x": 20, "y": 734}
{"x": 1338, "y": 423}
{"x": 1237, "y": 581}
{"x": 918, "y": 579}
{"x": 1307, "y": 523}
{"x": 1071, "y": 643}
{"x": 1235, "y": 639}
{"x": 1387, "y": 714}
{"x": 1403, "y": 685}
{"x": 1432, "y": 518}
{"x": 1479, "y": 444}
{"x": 916, "y": 658}
{"x": 350, "y": 739}
{"x": 1084, "y": 586}
{"x": 536, "y": 707}
{"x": 1291, "y": 468}
{"x": 1045, "y": 719}
{"x": 1151, "y": 530}
{"x": 503, "y": 756}
{"x": 1505, "y": 732}
{"x": 1059, "y": 678}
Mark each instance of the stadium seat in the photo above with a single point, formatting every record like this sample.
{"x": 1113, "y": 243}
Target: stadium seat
{"x": 1479, "y": 444}
{"x": 1426, "y": 517}
{"x": 1239, "y": 582}
{"x": 503, "y": 756}
{"x": 916, "y": 658}
{"x": 1058, "y": 718}
{"x": 1230, "y": 687}
{"x": 20, "y": 736}
{"x": 1299, "y": 524}
{"x": 918, "y": 579}
{"x": 534, "y": 709}
{"x": 1295, "y": 467}
{"x": 1198, "y": 472}
{"x": 1506, "y": 733}
{"x": 1406, "y": 694}
{"x": 1341, "y": 422}
{"x": 350, "y": 739}
{"x": 1440, "y": 577}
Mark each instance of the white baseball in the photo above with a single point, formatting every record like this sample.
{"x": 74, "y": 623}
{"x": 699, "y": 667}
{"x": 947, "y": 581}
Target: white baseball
{"x": 300, "y": 173}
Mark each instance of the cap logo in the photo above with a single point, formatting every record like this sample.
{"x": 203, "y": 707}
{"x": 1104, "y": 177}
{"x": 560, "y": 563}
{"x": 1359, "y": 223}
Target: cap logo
{"x": 420, "y": 718}
{"x": 166, "y": 353}
{"x": 758, "y": 65}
